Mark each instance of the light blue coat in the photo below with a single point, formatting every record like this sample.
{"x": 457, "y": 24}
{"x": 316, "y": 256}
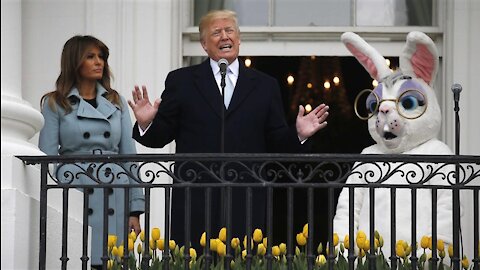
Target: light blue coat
{"x": 106, "y": 129}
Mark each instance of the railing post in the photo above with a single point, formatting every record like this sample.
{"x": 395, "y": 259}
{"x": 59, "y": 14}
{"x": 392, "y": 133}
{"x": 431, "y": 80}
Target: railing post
{"x": 43, "y": 216}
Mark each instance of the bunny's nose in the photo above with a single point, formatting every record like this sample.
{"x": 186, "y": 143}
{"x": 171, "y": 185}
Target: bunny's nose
{"x": 384, "y": 108}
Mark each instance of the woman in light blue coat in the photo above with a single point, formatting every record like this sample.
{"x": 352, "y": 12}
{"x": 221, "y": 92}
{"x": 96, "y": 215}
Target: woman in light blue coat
{"x": 84, "y": 115}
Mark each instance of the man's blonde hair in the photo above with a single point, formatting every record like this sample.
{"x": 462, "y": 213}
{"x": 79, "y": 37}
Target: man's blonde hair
{"x": 215, "y": 15}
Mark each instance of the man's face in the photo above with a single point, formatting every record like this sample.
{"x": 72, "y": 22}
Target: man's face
{"x": 222, "y": 40}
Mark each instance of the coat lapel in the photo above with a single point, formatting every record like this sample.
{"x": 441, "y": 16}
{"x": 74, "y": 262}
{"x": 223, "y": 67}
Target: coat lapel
{"x": 104, "y": 107}
{"x": 207, "y": 86}
{"x": 245, "y": 85}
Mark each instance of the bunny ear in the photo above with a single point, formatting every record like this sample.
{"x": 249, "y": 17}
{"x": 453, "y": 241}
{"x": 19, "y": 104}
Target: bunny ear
{"x": 420, "y": 57}
{"x": 368, "y": 56}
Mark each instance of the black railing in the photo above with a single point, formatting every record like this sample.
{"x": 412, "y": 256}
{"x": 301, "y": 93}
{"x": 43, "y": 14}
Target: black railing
{"x": 267, "y": 172}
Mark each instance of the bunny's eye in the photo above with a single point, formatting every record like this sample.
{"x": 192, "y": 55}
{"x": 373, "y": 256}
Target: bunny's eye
{"x": 411, "y": 100}
{"x": 372, "y": 105}
{"x": 411, "y": 104}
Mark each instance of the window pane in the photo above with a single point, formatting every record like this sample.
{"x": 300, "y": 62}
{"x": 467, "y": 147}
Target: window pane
{"x": 249, "y": 12}
{"x": 312, "y": 13}
{"x": 394, "y": 12}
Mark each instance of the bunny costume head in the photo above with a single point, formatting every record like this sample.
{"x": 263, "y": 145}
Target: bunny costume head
{"x": 403, "y": 109}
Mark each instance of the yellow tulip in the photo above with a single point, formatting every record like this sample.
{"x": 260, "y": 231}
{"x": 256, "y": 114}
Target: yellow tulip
{"x": 213, "y": 244}
{"x": 155, "y": 233}
{"x": 440, "y": 245}
{"x": 450, "y": 251}
{"x": 320, "y": 248}
{"x": 265, "y": 241}
{"x": 133, "y": 235}
{"x": 283, "y": 248}
{"x": 361, "y": 237}
{"x": 430, "y": 243}
{"x": 245, "y": 242}
{"x": 109, "y": 264}
{"x": 321, "y": 260}
{"x": 380, "y": 241}
{"x": 193, "y": 253}
{"x": 400, "y": 251}
{"x": 221, "y": 248}
{"x": 130, "y": 244}
{"x": 335, "y": 239}
{"x": 222, "y": 235}
{"x": 244, "y": 254}
{"x": 465, "y": 262}
{"x": 142, "y": 236}
{"x": 275, "y": 251}
{"x": 305, "y": 230}
{"x": 112, "y": 240}
{"x": 301, "y": 240}
{"x": 172, "y": 244}
{"x": 139, "y": 248}
{"x": 235, "y": 242}
{"x": 115, "y": 251}
{"x": 161, "y": 244}
{"x": 153, "y": 244}
{"x": 297, "y": 251}
{"x": 121, "y": 251}
{"x": 366, "y": 245}
{"x": 203, "y": 239}
{"x": 408, "y": 250}
{"x": 261, "y": 250}
{"x": 377, "y": 243}
{"x": 441, "y": 253}
{"x": 424, "y": 242}
{"x": 346, "y": 242}
{"x": 257, "y": 236}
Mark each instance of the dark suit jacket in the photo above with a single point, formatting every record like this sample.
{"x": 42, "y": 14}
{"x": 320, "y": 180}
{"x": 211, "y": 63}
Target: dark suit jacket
{"x": 190, "y": 114}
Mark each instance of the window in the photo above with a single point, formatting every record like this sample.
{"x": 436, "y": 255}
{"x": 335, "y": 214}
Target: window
{"x": 324, "y": 12}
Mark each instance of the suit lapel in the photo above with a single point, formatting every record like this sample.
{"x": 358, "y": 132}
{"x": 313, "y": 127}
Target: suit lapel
{"x": 245, "y": 85}
{"x": 207, "y": 86}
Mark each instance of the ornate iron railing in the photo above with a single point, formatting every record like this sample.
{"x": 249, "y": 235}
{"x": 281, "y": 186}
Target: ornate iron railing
{"x": 263, "y": 171}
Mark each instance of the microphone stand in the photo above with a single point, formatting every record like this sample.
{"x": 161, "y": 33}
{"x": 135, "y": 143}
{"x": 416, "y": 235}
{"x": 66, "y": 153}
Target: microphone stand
{"x": 222, "y": 135}
{"x": 457, "y": 245}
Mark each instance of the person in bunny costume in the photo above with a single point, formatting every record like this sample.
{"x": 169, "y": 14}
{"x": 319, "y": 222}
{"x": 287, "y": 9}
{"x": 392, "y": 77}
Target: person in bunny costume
{"x": 404, "y": 117}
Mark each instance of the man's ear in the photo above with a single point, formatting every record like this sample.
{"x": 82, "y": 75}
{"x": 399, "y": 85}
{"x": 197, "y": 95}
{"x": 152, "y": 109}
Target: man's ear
{"x": 204, "y": 45}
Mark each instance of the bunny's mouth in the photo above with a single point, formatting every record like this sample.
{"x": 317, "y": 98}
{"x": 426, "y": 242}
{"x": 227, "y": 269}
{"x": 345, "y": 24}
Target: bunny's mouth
{"x": 389, "y": 136}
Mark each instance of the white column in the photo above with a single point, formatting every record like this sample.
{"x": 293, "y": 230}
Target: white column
{"x": 19, "y": 123}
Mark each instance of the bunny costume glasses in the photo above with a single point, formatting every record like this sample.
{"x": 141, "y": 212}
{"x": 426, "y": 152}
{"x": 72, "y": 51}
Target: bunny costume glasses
{"x": 411, "y": 104}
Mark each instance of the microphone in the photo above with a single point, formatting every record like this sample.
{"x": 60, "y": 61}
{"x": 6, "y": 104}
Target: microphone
{"x": 456, "y": 89}
{"x": 223, "y": 63}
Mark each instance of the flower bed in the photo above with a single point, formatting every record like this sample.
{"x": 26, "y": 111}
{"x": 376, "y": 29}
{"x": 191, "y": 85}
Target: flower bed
{"x": 258, "y": 258}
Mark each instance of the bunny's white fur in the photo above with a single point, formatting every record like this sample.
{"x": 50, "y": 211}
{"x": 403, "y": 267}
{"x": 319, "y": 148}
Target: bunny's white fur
{"x": 395, "y": 134}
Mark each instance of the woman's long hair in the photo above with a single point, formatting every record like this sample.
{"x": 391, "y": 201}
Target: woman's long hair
{"x": 73, "y": 54}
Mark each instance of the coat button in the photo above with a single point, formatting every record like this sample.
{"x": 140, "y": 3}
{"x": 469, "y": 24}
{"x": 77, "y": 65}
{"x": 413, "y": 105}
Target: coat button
{"x": 90, "y": 211}
{"x": 106, "y": 134}
{"x": 86, "y": 135}
{"x": 111, "y": 211}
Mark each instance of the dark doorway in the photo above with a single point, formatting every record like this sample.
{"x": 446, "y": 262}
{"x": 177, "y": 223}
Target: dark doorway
{"x": 345, "y": 132}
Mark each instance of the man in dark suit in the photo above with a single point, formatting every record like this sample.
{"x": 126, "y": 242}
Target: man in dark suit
{"x": 191, "y": 114}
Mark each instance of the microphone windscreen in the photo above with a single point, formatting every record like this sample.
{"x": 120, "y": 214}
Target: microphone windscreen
{"x": 223, "y": 63}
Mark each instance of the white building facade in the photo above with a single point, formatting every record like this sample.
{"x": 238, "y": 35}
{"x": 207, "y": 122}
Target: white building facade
{"x": 147, "y": 39}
